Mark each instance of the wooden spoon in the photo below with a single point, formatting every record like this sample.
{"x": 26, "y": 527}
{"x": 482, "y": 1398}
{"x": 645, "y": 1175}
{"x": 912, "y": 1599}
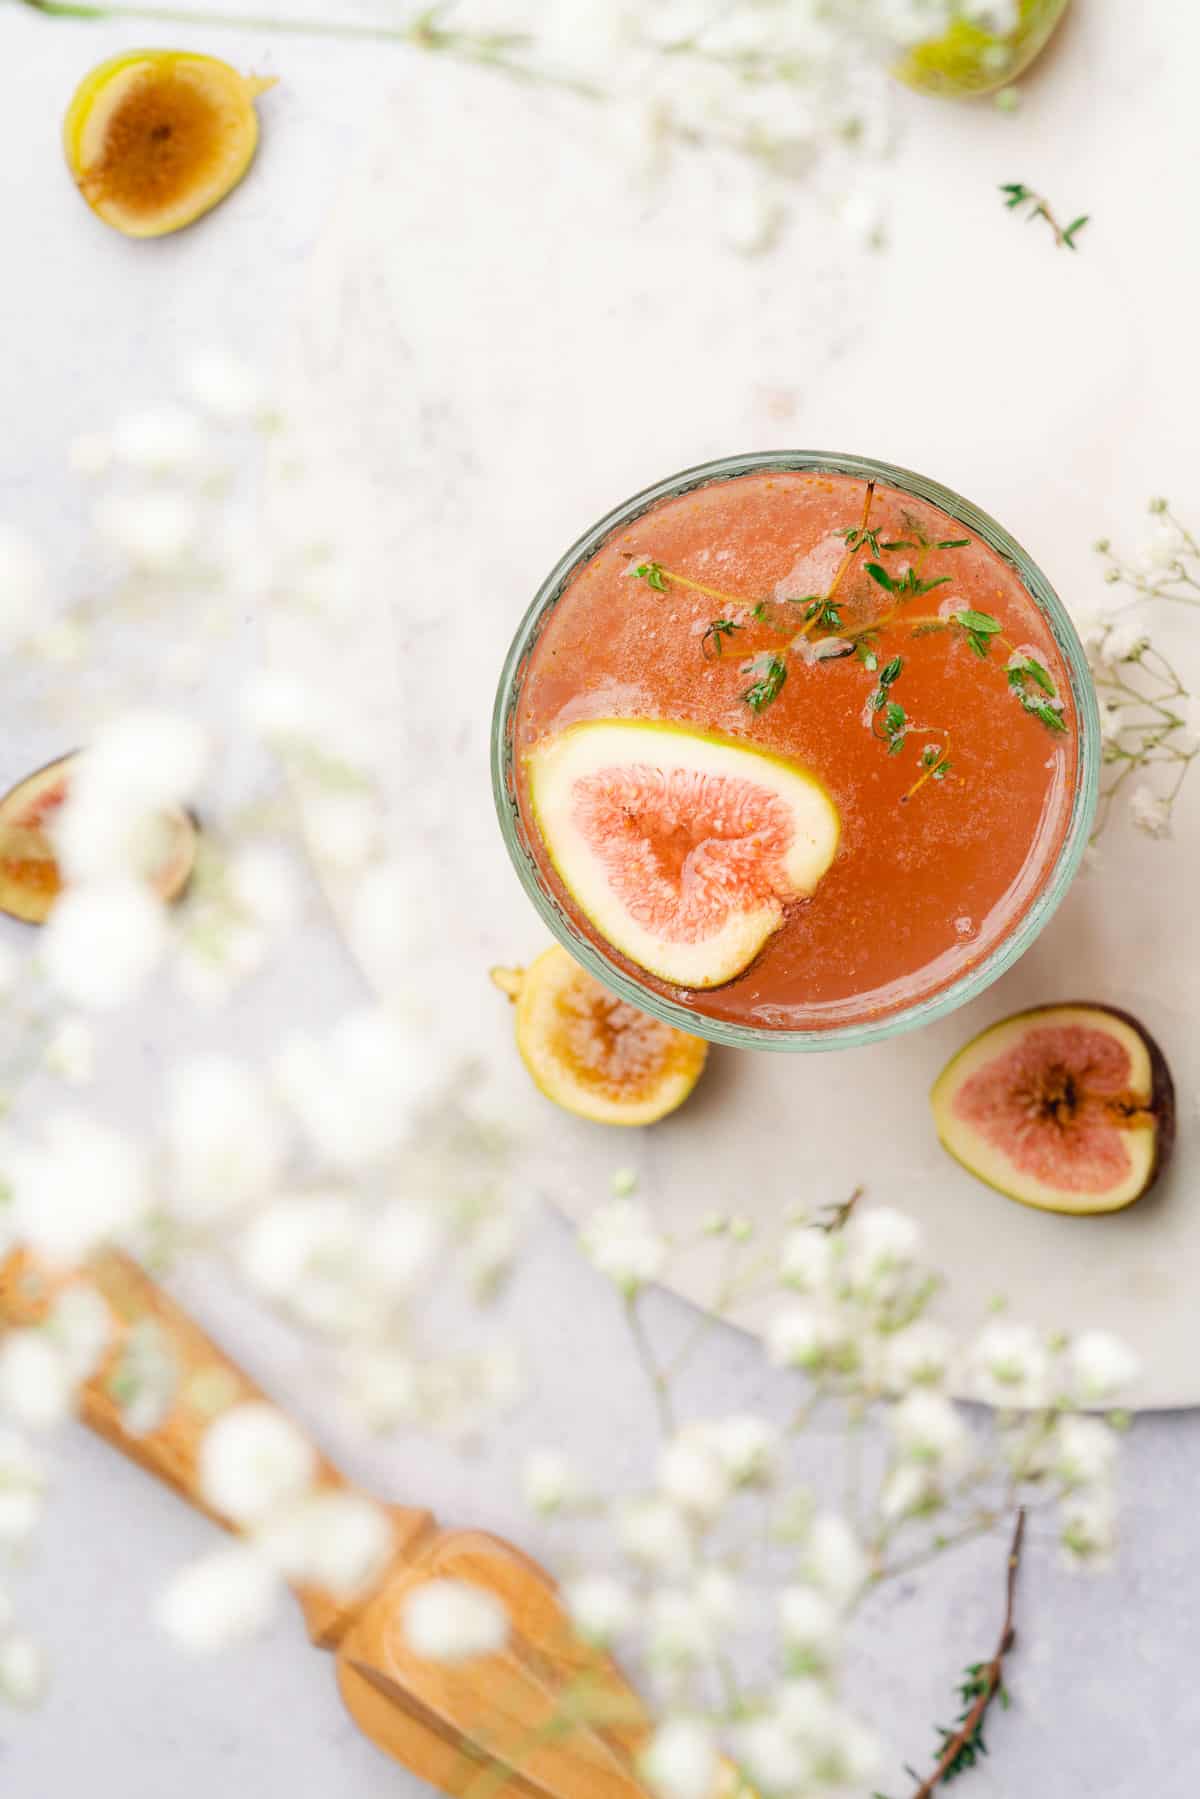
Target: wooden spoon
{"x": 546, "y": 1718}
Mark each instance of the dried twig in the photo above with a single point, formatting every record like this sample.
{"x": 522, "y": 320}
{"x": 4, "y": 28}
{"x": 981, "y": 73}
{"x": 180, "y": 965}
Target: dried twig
{"x": 984, "y": 1682}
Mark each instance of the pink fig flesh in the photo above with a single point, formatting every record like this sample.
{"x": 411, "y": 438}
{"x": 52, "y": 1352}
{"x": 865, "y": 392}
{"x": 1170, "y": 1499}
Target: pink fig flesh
{"x": 1069, "y": 1108}
{"x": 30, "y": 878}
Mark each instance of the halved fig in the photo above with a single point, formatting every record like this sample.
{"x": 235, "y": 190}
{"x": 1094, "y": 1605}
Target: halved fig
{"x": 1070, "y": 1108}
{"x": 592, "y": 1053}
{"x": 155, "y": 138}
{"x": 30, "y": 879}
{"x": 681, "y": 847}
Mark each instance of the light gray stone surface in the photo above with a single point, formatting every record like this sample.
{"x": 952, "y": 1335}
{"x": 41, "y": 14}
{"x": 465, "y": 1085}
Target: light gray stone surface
{"x": 1106, "y": 1701}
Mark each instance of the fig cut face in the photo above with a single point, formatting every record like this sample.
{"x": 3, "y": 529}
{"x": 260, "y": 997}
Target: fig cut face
{"x": 1069, "y": 1108}
{"x": 682, "y": 848}
{"x": 30, "y": 878}
{"x": 592, "y": 1053}
{"x": 155, "y": 138}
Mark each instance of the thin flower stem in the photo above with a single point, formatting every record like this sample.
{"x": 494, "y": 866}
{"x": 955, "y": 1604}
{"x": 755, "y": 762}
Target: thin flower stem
{"x": 992, "y": 1675}
{"x": 497, "y": 50}
{"x": 653, "y": 1373}
{"x": 970, "y": 1532}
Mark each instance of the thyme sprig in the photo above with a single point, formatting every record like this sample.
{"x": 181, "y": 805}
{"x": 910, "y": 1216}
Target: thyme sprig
{"x": 824, "y": 633}
{"x": 1018, "y": 195}
{"x": 960, "y": 1746}
{"x": 713, "y": 640}
{"x": 770, "y": 672}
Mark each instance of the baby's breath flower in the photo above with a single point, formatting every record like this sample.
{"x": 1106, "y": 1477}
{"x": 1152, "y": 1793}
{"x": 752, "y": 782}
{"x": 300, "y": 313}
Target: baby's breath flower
{"x": 718, "y": 1597}
{"x": 653, "y": 1533}
{"x": 36, "y": 1388}
{"x": 907, "y": 1491}
{"x": 1101, "y": 1366}
{"x": 293, "y": 1237}
{"x": 882, "y": 1245}
{"x": 622, "y": 1241}
{"x": 834, "y": 1561}
{"x": 802, "y": 1336}
{"x": 338, "y": 1541}
{"x": 22, "y": 1489}
{"x": 601, "y": 1607}
{"x": 747, "y": 1446}
{"x": 222, "y": 1134}
{"x": 253, "y": 1462}
{"x": 24, "y": 1672}
{"x": 1124, "y": 639}
{"x": 355, "y": 1092}
{"x": 679, "y": 1635}
{"x": 263, "y": 883}
{"x": 1084, "y": 1451}
{"x": 101, "y": 942}
{"x": 166, "y": 441}
{"x": 75, "y": 1186}
{"x": 156, "y": 529}
{"x": 919, "y": 1355}
{"x": 1089, "y": 1525}
{"x": 1150, "y": 812}
{"x": 810, "y": 1626}
{"x": 693, "y": 1476}
{"x": 927, "y": 1428}
{"x": 548, "y": 1480}
{"x": 452, "y": 1621}
{"x": 806, "y": 1259}
{"x": 680, "y": 1760}
{"x": 224, "y": 386}
{"x": 71, "y": 1052}
{"x": 401, "y": 1246}
{"x": 80, "y": 1324}
{"x": 770, "y": 1754}
{"x": 22, "y": 586}
{"x": 228, "y": 1596}
{"x": 1010, "y": 1365}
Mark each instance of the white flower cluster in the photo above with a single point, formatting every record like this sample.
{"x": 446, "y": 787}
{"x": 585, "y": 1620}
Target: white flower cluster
{"x": 772, "y": 91}
{"x": 1149, "y": 718}
{"x": 341, "y": 1170}
{"x": 261, "y": 1475}
{"x": 852, "y": 1323}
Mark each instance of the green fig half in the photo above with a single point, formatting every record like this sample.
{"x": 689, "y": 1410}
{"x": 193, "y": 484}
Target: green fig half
{"x": 1069, "y": 1108}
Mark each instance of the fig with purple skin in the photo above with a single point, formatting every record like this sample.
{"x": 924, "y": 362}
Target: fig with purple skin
{"x": 30, "y": 878}
{"x": 682, "y": 848}
{"x": 1070, "y": 1108}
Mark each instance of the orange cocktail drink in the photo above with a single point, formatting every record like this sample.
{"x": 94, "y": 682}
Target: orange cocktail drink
{"x": 798, "y": 748}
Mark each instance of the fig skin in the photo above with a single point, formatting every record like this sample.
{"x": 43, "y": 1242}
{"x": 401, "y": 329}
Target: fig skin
{"x": 1160, "y": 1105}
{"x": 665, "y": 1068}
{"x": 28, "y": 893}
{"x": 156, "y": 138}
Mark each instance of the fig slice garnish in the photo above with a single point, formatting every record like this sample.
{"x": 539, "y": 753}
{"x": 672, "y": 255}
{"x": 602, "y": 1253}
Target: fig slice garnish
{"x": 681, "y": 847}
{"x": 30, "y": 877}
{"x": 1069, "y": 1108}
{"x": 592, "y": 1053}
{"x": 156, "y": 138}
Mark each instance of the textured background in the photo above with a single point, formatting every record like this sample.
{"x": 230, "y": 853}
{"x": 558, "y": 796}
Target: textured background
{"x": 1105, "y": 1699}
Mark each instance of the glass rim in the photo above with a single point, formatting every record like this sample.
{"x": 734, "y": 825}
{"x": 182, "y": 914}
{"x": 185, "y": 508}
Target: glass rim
{"x": 976, "y": 979}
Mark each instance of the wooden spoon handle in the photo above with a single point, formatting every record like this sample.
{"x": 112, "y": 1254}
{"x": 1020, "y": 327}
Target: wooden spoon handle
{"x": 147, "y": 1323}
